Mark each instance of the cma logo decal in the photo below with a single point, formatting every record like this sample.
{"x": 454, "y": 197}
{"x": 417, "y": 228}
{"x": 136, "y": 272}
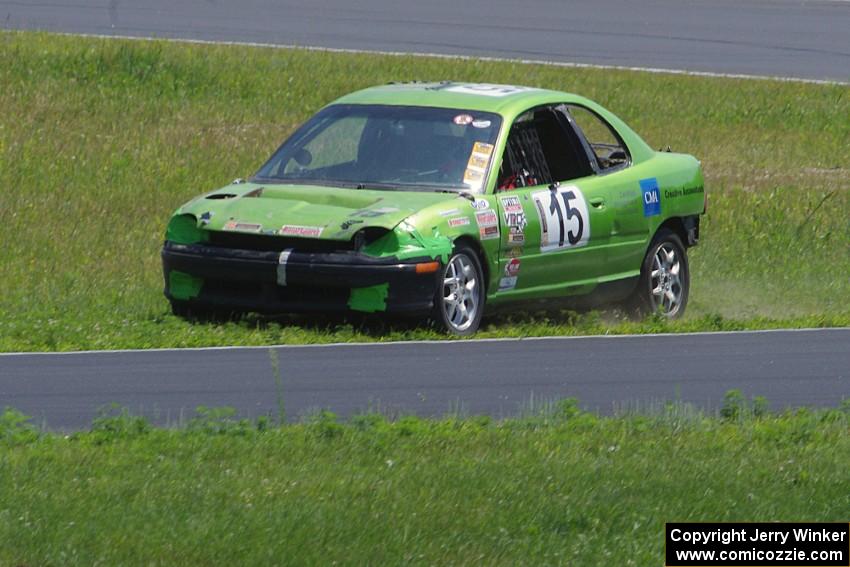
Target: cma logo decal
{"x": 651, "y": 197}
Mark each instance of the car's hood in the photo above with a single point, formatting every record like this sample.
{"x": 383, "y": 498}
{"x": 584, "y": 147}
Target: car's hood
{"x": 306, "y": 210}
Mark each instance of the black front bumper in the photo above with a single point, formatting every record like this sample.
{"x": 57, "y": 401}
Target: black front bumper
{"x": 291, "y": 281}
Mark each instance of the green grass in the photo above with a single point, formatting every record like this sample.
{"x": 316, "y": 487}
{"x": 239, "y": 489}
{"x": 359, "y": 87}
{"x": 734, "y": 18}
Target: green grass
{"x": 557, "y": 487}
{"x": 101, "y": 139}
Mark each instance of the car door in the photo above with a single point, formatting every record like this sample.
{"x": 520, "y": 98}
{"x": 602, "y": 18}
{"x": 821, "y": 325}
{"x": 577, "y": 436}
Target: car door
{"x": 555, "y": 224}
{"x": 629, "y": 196}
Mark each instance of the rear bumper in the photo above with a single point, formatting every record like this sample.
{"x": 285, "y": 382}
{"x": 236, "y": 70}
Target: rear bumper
{"x": 291, "y": 281}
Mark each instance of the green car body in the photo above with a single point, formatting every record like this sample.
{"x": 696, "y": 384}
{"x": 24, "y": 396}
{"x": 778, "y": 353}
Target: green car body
{"x": 286, "y": 247}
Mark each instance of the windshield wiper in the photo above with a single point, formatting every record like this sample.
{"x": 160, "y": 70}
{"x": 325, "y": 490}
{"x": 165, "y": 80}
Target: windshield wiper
{"x": 316, "y": 182}
{"x": 388, "y": 186}
{"x": 460, "y": 193}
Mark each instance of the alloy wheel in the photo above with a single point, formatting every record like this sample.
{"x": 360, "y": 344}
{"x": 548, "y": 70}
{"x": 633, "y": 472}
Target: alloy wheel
{"x": 665, "y": 280}
{"x": 461, "y": 293}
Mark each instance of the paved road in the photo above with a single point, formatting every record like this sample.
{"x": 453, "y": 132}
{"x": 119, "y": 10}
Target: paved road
{"x": 790, "y": 368}
{"x": 807, "y": 39}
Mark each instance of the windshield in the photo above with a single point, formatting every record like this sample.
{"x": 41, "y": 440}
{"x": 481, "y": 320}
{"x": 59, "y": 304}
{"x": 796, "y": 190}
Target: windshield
{"x": 393, "y": 147}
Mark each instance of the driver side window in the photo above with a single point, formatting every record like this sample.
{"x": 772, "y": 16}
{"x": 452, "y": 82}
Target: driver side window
{"x": 606, "y": 145}
{"x": 542, "y": 148}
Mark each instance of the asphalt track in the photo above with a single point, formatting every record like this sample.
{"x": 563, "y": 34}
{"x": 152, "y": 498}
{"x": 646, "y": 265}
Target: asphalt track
{"x": 796, "y": 38}
{"x": 499, "y": 378}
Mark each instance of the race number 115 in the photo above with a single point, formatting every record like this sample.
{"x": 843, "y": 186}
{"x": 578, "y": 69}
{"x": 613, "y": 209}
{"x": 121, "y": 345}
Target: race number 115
{"x": 564, "y": 222}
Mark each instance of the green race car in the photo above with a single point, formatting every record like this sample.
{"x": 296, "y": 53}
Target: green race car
{"x": 439, "y": 198}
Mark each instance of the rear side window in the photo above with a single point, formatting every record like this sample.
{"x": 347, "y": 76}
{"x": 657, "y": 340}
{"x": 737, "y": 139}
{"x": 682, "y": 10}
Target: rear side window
{"x": 609, "y": 149}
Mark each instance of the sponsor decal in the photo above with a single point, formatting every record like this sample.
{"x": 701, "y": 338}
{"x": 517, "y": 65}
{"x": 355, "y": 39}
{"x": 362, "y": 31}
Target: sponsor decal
{"x": 512, "y": 267}
{"x": 303, "y": 231}
{"x": 515, "y": 252}
{"x": 476, "y": 166}
{"x": 486, "y": 218}
{"x": 516, "y": 220}
{"x": 482, "y": 148}
{"x": 488, "y": 90}
{"x": 462, "y": 119}
{"x": 507, "y": 283}
{"x": 458, "y": 221}
{"x": 511, "y": 204}
{"x": 488, "y": 232}
{"x": 625, "y": 199}
{"x": 205, "y": 218}
{"x": 564, "y": 220}
{"x": 684, "y": 191}
{"x": 480, "y": 204}
{"x": 480, "y": 123}
{"x": 473, "y": 178}
{"x": 516, "y": 236}
{"x": 651, "y": 197}
{"x": 477, "y": 161}
{"x": 242, "y": 226}
{"x": 449, "y": 212}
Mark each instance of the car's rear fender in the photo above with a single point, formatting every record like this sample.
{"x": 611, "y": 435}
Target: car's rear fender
{"x": 686, "y": 228}
{"x": 681, "y": 185}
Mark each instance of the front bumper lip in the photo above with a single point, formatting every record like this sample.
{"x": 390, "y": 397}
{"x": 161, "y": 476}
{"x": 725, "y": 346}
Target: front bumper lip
{"x": 291, "y": 269}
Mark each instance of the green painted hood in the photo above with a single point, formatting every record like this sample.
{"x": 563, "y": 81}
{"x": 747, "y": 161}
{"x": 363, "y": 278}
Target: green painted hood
{"x": 337, "y": 212}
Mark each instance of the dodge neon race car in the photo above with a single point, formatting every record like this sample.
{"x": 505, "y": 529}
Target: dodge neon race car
{"x": 439, "y": 198}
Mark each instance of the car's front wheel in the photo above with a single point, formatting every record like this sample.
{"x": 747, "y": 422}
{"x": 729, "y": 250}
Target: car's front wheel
{"x": 459, "y": 300}
{"x": 186, "y": 310}
{"x": 664, "y": 277}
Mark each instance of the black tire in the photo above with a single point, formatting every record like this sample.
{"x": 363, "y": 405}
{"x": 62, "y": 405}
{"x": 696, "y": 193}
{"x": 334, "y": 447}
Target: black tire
{"x": 180, "y": 308}
{"x": 454, "y": 317}
{"x": 202, "y": 313}
{"x": 665, "y": 281}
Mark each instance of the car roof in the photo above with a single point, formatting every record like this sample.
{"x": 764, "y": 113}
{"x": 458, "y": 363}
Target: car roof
{"x": 486, "y": 97}
{"x": 507, "y": 100}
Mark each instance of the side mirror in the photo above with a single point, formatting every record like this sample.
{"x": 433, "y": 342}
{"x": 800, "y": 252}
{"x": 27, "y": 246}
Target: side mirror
{"x": 303, "y": 157}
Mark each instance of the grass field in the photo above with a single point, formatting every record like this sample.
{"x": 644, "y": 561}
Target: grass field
{"x": 101, "y": 139}
{"x": 556, "y": 488}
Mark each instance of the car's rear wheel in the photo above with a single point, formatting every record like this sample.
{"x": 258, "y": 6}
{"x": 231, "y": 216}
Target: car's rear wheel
{"x": 459, "y": 300}
{"x": 665, "y": 277}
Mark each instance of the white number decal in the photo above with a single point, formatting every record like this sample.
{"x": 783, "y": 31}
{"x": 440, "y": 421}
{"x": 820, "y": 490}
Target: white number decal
{"x": 488, "y": 90}
{"x": 563, "y": 218}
